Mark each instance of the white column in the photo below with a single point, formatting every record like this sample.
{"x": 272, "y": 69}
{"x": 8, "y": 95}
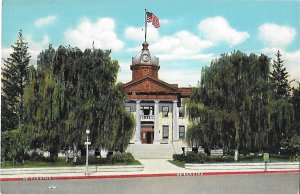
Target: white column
{"x": 175, "y": 123}
{"x": 138, "y": 123}
{"x": 156, "y": 122}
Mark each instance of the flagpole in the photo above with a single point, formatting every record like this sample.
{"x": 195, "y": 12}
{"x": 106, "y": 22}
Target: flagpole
{"x": 145, "y": 25}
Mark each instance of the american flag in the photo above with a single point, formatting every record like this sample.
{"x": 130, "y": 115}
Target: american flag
{"x": 152, "y": 18}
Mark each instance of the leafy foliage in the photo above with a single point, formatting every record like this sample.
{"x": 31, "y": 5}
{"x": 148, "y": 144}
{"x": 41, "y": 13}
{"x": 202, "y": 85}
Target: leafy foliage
{"x": 191, "y": 157}
{"x": 72, "y": 91}
{"x": 282, "y": 115}
{"x": 239, "y": 104}
{"x": 14, "y": 145}
{"x": 125, "y": 157}
{"x": 229, "y": 109}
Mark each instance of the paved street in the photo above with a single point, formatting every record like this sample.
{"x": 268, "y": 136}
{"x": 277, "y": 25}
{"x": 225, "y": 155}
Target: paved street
{"x": 256, "y": 184}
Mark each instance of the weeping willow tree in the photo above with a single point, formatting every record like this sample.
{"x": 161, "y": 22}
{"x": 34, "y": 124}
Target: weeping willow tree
{"x": 230, "y": 107}
{"x": 72, "y": 91}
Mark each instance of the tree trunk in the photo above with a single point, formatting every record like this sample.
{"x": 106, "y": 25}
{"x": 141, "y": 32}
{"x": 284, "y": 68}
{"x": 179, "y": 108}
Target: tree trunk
{"x": 75, "y": 150}
{"x": 237, "y": 141}
{"x": 100, "y": 150}
{"x": 54, "y": 149}
{"x": 236, "y": 154}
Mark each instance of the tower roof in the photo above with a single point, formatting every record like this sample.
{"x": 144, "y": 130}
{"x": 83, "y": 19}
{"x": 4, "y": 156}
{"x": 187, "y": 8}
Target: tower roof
{"x": 145, "y": 57}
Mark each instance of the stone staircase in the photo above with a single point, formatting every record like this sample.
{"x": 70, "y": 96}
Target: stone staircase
{"x": 154, "y": 151}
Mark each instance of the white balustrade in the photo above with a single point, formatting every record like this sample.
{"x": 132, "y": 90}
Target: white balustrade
{"x": 147, "y": 118}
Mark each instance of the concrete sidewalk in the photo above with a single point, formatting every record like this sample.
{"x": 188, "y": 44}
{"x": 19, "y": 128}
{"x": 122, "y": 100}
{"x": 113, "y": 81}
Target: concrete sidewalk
{"x": 149, "y": 167}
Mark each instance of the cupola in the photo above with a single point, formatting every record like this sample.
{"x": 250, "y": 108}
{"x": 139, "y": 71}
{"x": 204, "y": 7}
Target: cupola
{"x": 144, "y": 64}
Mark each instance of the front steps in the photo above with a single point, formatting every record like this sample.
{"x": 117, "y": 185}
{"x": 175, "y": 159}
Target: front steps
{"x": 154, "y": 151}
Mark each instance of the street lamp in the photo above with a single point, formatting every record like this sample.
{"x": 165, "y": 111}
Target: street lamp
{"x": 87, "y": 143}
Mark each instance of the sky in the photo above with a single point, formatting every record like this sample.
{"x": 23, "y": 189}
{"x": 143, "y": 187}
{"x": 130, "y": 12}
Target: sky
{"x": 191, "y": 33}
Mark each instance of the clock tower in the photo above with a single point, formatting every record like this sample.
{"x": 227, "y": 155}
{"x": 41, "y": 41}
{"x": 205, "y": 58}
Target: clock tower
{"x": 144, "y": 64}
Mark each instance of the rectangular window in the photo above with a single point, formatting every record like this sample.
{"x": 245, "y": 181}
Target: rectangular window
{"x": 181, "y": 111}
{"x": 147, "y": 110}
{"x": 128, "y": 108}
{"x": 165, "y": 131}
{"x": 181, "y": 131}
{"x": 165, "y": 111}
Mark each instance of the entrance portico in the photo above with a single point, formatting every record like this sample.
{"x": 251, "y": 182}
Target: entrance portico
{"x": 155, "y": 120}
{"x": 147, "y": 122}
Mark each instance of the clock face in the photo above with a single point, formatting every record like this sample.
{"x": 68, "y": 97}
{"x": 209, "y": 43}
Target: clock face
{"x": 145, "y": 58}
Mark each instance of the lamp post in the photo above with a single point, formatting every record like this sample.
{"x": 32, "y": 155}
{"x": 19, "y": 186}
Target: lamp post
{"x": 87, "y": 143}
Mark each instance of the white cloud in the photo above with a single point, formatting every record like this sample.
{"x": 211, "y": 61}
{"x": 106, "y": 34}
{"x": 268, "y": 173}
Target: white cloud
{"x": 275, "y": 35}
{"x": 138, "y": 34}
{"x": 5, "y": 53}
{"x": 217, "y": 29}
{"x": 181, "y": 49}
{"x": 45, "y": 21}
{"x": 164, "y": 21}
{"x": 183, "y": 45}
{"x": 183, "y": 78}
{"x": 124, "y": 74}
{"x": 292, "y": 64}
{"x": 290, "y": 61}
{"x": 177, "y": 75}
{"x": 34, "y": 48}
{"x": 101, "y": 32}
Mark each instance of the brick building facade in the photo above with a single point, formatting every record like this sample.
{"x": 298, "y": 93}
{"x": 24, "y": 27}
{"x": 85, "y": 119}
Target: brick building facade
{"x": 155, "y": 104}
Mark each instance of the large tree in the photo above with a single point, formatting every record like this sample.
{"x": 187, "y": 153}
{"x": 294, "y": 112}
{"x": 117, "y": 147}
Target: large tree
{"x": 229, "y": 109}
{"x": 14, "y": 79}
{"x": 278, "y": 78}
{"x": 72, "y": 91}
{"x": 295, "y": 99}
{"x": 282, "y": 115}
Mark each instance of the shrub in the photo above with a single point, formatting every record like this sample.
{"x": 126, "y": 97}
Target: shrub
{"x": 179, "y": 157}
{"x": 192, "y": 157}
{"x": 35, "y": 156}
{"x": 14, "y": 144}
{"x": 92, "y": 160}
{"x": 27, "y": 156}
{"x": 295, "y": 158}
{"x": 116, "y": 158}
{"x": 202, "y": 157}
{"x": 127, "y": 157}
{"x": 220, "y": 159}
{"x": 279, "y": 156}
{"x": 124, "y": 157}
{"x": 249, "y": 157}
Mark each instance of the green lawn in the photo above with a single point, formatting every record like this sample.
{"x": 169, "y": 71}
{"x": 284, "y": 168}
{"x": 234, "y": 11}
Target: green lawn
{"x": 37, "y": 164}
{"x": 272, "y": 160}
{"x": 58, "y": 163}
{"x": 255, "y": 160}
{"x": 177, "y": 163}
{"x": 135, "y": 162}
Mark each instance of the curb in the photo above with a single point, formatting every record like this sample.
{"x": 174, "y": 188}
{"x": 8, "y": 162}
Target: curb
{"x": 149, "y": 175}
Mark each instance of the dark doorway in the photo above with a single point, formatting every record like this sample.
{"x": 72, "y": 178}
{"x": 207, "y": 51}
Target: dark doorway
{"x": 149, "y": 137}
{"x": 147, "y": 134}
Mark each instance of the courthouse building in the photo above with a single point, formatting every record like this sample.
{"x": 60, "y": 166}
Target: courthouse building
{"x": 156, "y": 105}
